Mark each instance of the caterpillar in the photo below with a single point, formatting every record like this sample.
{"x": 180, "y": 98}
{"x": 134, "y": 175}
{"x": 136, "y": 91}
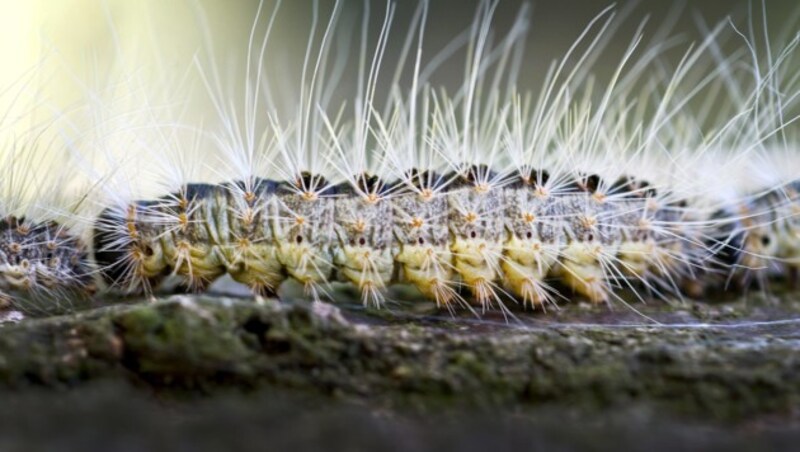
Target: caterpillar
{"x": 592, "y": 186}
{"x": 489, "y": 194}
{"x": 45, "y": 263}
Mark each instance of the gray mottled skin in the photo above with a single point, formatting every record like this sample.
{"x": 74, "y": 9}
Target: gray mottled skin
{"x": 486, "y": 206}
{"x": 562, "y": 216}
{"x": 357, "y": 220}
{"x": 629, "y": 215}
{"x": 546, "y": 225}
{"x": 434, "y": 228}
{"x": 587, "y": 220}
{"x": 317, "y": 228}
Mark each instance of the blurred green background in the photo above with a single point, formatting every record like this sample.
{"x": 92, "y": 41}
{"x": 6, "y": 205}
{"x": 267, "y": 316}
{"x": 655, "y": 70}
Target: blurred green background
{"x": 88, "y": 35}
{"x": 81, "y": 45}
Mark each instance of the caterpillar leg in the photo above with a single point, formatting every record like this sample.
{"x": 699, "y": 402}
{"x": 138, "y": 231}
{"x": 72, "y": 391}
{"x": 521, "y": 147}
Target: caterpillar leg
{"x": 636, "y": 257}
{"x": 580, "y": 270}
{"x": 477, "y": 262}
{"x": 369, "y": 269}
{"x": 430, "y": 270}
{"x": 524, "y": 266}
{"x": 258, "y": 268}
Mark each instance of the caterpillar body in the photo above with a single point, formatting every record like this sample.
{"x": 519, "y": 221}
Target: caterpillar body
{"x": 461, "y": 201}
{"x": 45, "y": 262}
{"x": 479, "y": 197}
{"x": 458, "y": 230}
{"x": 471, "y": 211}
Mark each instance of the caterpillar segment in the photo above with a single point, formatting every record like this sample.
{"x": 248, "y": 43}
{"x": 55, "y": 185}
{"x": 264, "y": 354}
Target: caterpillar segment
{"x": 189, "y": 239}
{"x": 42, "y": 260}
{"x": 682, "y": 254}
{"x": 366, "y": 249}
{"x": 638, "y": 246}
{"x": 127, "y": 248}
{"x": 656, "y": 250}
{"x": 477, "y": 231}
{"x": 246, "y": 227}
{"x": 592, "y": 238}
{"x": 423, "y": 238}
{"x": 534, "y": 238}
{"x": 305, "y": 232}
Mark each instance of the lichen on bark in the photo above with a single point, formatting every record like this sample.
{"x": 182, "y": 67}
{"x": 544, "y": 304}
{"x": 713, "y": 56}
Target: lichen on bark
{"x": 720, "y": 361}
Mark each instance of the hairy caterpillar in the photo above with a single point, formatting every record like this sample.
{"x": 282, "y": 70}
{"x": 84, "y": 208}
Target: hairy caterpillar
{"x": 44, "y": 261}
{"x": 490, "y": 193}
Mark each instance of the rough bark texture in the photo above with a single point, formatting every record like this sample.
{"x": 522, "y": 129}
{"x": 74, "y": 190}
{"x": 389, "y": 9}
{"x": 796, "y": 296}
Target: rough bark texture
{"x": 723, "y": 362}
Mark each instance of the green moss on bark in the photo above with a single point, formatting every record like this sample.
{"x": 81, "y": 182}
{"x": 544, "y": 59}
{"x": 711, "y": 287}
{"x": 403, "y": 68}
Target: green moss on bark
{"x": 204, "y": 343}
